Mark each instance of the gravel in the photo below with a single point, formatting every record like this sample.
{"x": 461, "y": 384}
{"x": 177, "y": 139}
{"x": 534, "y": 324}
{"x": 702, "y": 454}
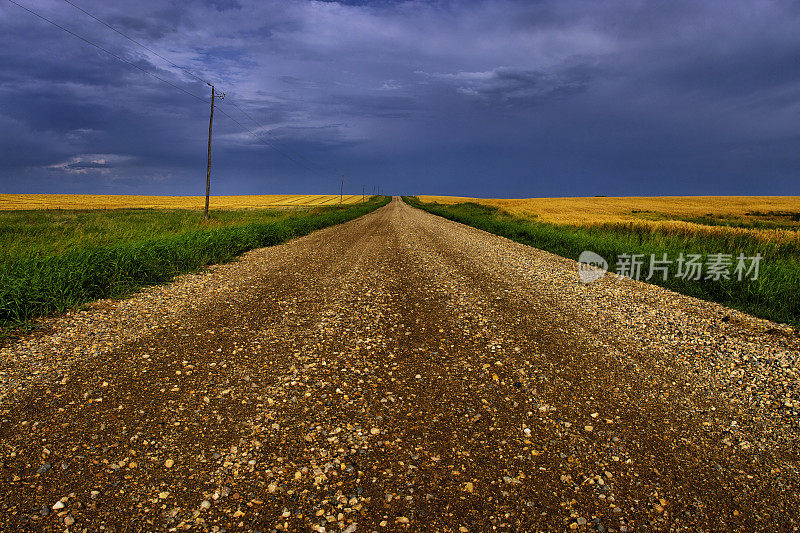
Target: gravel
{"x": 401, "y": 372}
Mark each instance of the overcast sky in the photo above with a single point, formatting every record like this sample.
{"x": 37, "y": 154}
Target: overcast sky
{"x": 476, "y": 98}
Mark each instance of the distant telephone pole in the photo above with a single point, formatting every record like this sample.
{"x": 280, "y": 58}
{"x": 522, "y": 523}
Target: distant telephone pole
{"x": 208, "y": 168}
{"x": 363, "y": 189}
{"x": 341, "y": 190}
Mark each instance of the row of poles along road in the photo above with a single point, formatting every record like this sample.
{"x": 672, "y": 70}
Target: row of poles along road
{"x": 221, "y": 96}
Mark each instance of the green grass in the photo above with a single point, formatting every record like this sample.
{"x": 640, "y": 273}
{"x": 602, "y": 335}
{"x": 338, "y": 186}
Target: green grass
{"x": 54, "y": 260}
{"x": 775, "y": 295}
{"x": 50, "y": 231}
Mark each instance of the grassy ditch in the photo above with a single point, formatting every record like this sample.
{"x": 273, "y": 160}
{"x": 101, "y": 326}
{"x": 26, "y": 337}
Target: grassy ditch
{"x": 775, "y": 295}
{"x": 54, "y": 261}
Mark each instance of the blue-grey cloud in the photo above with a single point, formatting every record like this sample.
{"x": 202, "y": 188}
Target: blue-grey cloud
{"x": 515, "y": 85}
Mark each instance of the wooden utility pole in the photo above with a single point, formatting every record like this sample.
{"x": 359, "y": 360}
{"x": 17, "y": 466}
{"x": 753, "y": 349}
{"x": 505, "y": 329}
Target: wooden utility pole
{"x": 363, "y": 189}
{"x": 341, "y": 190}
{"x": 208, "y": 168}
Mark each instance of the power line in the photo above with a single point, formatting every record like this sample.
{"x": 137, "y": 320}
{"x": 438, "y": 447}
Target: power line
{"x": 270, "y": 144}
{"x": 257, "y": 123}
{"x": 186, "y": 70}
{"x": 131, "y": 39}
{"x": 265, "y": 142}
{"x": 112, "y": 54}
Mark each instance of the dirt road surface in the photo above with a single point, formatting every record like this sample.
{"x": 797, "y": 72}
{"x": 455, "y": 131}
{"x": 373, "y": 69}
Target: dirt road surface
{"x": 401, "y": 372}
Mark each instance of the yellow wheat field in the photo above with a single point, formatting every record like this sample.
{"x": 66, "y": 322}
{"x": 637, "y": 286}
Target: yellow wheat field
{"x": 113, "y": 201}
{"x": 632, "y": 212}
{"x": 582, "y": 211}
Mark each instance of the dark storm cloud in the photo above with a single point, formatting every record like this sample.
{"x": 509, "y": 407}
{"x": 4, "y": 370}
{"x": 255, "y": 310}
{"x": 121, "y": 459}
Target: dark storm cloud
{"x": 478, "y": 97}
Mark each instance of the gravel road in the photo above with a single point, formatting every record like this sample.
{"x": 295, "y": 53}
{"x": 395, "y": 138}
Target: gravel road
{"x": 401, "y": 372}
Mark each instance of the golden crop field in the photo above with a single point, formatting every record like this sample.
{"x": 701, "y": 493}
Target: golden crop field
{"x": 113, "y": 201}
{"x": 581, "y": 211}
{"x": 773, "y": 219}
